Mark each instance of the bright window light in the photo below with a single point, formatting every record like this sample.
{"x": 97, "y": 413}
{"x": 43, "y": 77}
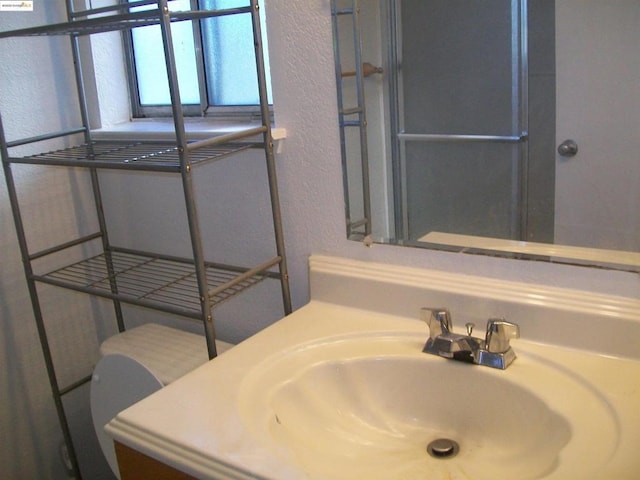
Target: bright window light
{"x": 228, "y": 59}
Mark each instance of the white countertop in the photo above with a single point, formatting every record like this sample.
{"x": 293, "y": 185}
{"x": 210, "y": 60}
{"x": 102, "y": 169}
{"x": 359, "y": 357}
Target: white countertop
{"x": 194, "y": 424}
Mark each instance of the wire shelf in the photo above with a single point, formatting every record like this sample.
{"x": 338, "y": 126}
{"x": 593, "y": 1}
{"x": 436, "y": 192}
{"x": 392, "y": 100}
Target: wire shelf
{"x": 164, "y": 283}
{"x": 117, "y": 21}
{"x": 131, "y": 155}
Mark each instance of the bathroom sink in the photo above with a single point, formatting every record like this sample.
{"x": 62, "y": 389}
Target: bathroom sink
{"x": 340, "y": 389}
{"x": 370, "y": 406}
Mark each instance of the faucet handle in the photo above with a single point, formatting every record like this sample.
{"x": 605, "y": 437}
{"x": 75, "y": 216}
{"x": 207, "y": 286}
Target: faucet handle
{"x": 499, "y": 332}
{"x": 438, "y": 320}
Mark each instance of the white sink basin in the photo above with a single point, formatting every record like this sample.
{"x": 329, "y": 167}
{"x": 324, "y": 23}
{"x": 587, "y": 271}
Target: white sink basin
{"x": 367, "y": 406}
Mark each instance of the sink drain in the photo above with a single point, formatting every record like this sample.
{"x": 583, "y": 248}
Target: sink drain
{"x": 443, "y": 448}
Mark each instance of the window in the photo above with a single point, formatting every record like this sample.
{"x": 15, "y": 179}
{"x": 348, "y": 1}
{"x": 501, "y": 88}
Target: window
{"x": 215, "y": 61}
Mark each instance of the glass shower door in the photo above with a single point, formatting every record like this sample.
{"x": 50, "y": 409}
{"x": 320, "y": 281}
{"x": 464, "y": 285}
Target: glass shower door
{"x": 460, "y": 123}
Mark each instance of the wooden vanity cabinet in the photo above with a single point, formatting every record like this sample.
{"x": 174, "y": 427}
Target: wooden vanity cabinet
{"x": 136, "y": 466}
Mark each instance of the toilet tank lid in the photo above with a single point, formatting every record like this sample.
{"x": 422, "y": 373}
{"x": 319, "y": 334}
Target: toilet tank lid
{"x": 168, "y": 352}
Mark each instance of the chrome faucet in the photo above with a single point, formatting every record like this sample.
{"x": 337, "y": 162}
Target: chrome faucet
{"x": 494, "y": 351}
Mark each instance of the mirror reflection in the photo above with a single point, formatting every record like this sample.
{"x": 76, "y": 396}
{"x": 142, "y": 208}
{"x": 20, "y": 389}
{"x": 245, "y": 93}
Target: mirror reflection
{"x": 505, "y": 119}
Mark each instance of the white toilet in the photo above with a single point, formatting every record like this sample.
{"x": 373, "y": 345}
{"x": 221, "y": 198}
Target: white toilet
{"x": 135, "y": 364}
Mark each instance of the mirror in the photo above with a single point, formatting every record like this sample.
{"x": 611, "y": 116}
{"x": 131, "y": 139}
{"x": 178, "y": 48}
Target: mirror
{"x": 493, "y": 126}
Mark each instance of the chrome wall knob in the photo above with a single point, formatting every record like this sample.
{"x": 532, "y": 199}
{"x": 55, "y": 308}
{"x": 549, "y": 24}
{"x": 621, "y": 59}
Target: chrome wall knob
{"x": 568, "y": 148}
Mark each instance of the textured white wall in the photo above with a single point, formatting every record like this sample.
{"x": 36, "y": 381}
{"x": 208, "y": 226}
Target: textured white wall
{"x": 312, "y": 202}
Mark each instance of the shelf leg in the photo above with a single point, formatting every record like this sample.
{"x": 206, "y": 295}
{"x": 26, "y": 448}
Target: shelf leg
{"x": 270, "y": 158}
{"x": 37, "y": 312}
{"x": 187, "y": 183}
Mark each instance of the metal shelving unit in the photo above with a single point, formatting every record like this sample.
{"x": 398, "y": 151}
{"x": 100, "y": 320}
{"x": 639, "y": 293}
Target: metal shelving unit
{"x": 188, "y": 287}
{"x": 352, "y": 115}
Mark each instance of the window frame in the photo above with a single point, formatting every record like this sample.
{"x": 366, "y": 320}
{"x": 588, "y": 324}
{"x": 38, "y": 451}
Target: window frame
{"x": 247, "y": 113}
